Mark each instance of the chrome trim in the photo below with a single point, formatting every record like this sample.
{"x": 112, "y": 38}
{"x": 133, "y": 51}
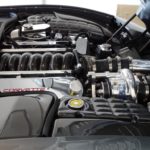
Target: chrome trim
{"x": 110, "y": 63}
{"x": 23, "y": 73}
{"x": 129, "y": 78}
{"x": 20, "y": 50}
{"x": 119, "y": 62}
{"x": 140, "y": 65}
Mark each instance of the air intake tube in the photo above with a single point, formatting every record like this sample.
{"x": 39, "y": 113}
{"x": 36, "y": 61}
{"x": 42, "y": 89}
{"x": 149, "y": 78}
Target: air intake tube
{"x": 116, "y": 64}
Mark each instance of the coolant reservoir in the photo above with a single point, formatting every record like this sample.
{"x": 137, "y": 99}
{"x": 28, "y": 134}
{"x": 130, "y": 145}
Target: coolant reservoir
{"x": 76, "y": 103}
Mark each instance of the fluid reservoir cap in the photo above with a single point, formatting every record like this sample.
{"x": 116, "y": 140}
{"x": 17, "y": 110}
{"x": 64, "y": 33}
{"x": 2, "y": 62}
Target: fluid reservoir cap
{"x": 75, "y": 88}
{"x": 76, "y": 103}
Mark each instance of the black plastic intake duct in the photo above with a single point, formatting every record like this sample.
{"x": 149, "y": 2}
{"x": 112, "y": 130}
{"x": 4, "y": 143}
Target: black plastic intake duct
{"x": 46, "y": 61}
{"x": 37, "y": 61}
{"x": 14, "y": 62}
{"x": 24, "y": 60}
{"x": 68, "y": 61}
{"x": 4, "y": 63}
{"x": 57, "y": 61}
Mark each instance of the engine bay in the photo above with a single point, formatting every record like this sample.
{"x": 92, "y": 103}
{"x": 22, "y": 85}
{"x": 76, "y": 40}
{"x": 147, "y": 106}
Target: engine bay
{"x": 65, "y": 75}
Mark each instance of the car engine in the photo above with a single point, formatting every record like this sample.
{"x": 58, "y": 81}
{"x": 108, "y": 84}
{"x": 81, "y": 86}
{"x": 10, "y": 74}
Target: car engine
{"x": 63, "y": 74}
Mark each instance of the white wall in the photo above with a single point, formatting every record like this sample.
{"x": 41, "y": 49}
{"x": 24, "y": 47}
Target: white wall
{"x": 108, "y": 6}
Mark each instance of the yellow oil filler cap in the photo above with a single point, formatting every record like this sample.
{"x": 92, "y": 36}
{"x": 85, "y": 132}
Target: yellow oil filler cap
{"x": 76, "y": 103}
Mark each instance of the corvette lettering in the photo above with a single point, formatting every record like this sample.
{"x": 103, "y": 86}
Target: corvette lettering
{"x": 16, "y": 90}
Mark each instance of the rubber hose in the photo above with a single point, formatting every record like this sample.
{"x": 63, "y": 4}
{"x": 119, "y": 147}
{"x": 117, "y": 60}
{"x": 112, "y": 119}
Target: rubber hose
{"x": 13, "y": 18}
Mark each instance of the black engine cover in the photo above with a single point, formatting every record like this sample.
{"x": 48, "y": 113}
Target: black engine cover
{"x": 87, "y": 127}
{"x": 24, "y": 116}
